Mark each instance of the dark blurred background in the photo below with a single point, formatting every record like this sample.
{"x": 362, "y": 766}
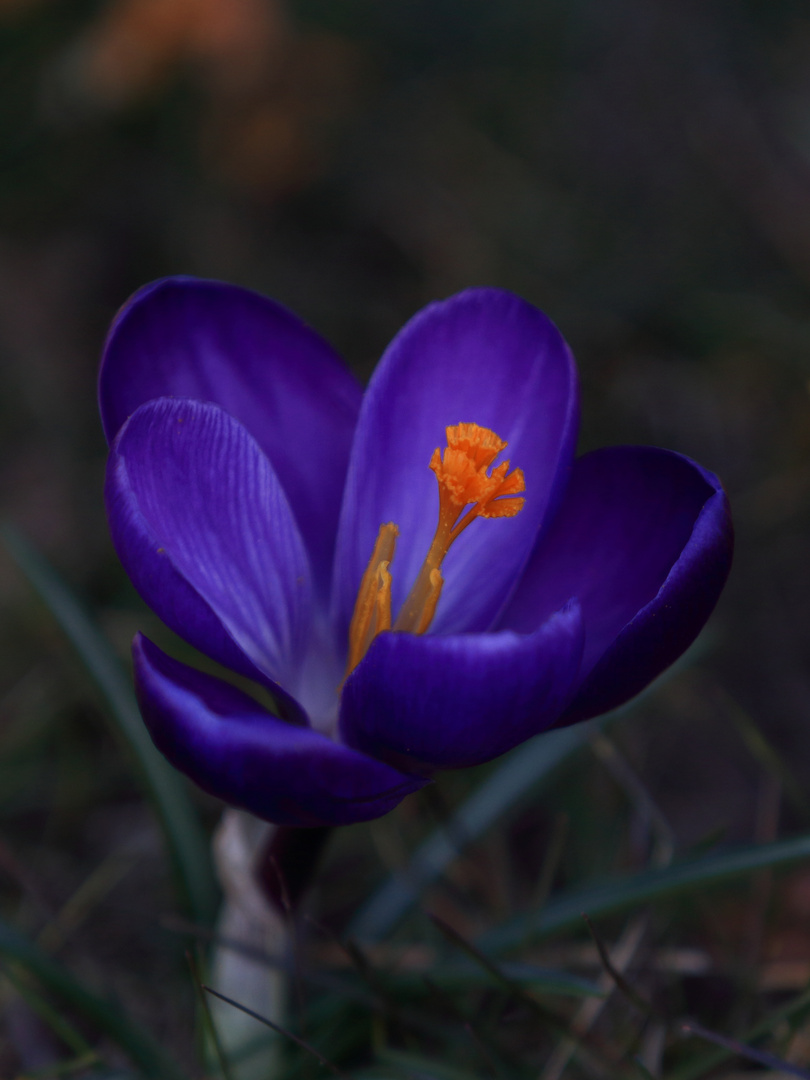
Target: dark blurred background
{"x": 640, "y": 169}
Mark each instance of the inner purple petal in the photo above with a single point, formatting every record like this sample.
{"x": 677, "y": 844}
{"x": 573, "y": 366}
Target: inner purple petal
{"x": 484, "y": 357}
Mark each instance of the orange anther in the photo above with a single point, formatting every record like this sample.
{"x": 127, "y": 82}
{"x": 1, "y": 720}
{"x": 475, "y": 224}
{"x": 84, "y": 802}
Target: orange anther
{"x": 372, "y": 609}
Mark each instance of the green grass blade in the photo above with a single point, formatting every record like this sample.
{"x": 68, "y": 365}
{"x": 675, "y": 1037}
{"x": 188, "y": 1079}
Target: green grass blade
{"x": 145, "y": 1053}
{"x": 620, "y": 894}
{"x": 185, "y": 838}
{"x": 517, "y": 777}
{"x": 462, "y": 975}
{"x": 49, "y": 1015}
{"x": 701, "y": 1064}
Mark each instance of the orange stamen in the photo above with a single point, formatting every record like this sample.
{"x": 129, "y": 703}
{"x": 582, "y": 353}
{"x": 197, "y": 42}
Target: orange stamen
{"x": 463, "y": 481}
{"x": 372, "y": 609}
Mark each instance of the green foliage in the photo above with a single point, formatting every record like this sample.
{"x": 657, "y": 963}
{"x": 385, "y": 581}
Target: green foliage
{"x": 162, "y": 785}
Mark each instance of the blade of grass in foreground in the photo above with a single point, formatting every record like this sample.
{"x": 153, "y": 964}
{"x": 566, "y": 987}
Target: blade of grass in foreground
{"x": 515, "y": 778}
{"x": 626, "y": 892}
{"x": 462, "y": 975}
{"x": 794, "y": 1011}
{"x": 184, "y": 835}
{"x": 146, "y": 1054}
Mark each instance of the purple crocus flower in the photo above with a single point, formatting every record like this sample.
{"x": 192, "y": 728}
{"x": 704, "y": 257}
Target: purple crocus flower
{"x": 285, "y": 524}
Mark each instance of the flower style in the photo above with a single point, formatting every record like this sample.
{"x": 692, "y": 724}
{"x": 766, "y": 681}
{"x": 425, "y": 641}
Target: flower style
{"x": 285, "y": 524}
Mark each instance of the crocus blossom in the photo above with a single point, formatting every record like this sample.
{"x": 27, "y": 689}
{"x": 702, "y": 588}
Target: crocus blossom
{"x": 286, "y": 524}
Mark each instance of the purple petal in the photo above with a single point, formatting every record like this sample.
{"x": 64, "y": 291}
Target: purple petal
{"x": 203, "y": 528}
{"x": 212, "y": 342}
{"x": 446, "y": 702}
{"x": 487, "y": 357}
{"x": 234, "y": 749}
{"x": 643, "y": 539}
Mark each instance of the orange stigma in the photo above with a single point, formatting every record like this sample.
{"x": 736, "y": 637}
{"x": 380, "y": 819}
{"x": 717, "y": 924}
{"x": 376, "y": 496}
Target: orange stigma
{"x": 463, "y": 482}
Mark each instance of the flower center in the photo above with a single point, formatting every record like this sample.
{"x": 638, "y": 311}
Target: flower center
{"x": 463, "y": 482}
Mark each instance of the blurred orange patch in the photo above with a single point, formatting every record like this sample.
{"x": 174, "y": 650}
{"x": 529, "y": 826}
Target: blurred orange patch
{"x": 279, "y": 139}
{"x": 136, "y": 44}
{"x": 271, "y": 95}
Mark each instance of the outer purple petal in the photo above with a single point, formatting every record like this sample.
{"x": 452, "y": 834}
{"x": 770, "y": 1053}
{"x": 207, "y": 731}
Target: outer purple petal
{"x": 212, "y": 342}
{"x": 202, "y": 526}
{"x": 484, "y": 356}
{"x": 643, "y": 539}
{"x": 237, "y": 751}
{"x": 447, "y": 702}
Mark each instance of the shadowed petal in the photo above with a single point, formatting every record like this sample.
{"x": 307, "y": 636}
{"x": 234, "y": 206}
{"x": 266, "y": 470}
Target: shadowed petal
{"x": 205, "y": 533}
{"x": 447, "y": 702}
{"x": 643, "y": 540}
{"x": 236, "y": 750}
{"x": 213, "y": 342}
{"x": 484, "y": 356}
